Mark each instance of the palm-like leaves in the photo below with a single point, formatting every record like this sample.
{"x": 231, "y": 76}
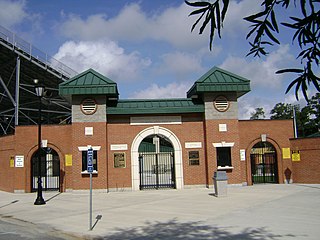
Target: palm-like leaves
{"x": 211, "y": 13}
{"x": 263, "y": 34}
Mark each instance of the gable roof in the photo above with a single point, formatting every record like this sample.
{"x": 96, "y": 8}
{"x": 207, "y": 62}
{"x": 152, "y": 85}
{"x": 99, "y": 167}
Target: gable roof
{"x": 89, "y": 82}
{"x": 219, "y": 80}
{"x": 155, "y": 106}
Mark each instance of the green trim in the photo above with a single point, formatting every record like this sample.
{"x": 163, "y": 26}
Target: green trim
{"x": 155, "y": 106}
{"x": 89, "y": 82}
{"x": 219, "y": 80}
{"x": 317, "y": 134}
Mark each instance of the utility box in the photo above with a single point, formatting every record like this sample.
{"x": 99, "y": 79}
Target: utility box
{"x": 220, "y": 181}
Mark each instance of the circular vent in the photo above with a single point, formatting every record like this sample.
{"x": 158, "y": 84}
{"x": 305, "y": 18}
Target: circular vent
{"x": 88, "y": 106}
{"x": 221, "y": 104}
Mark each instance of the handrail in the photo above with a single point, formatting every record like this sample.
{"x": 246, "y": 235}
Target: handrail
{"x": 42, "y": 59}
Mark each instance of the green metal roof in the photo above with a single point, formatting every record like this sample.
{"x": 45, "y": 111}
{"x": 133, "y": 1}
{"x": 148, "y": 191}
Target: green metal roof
{"x": 89, "y": 82}
{"x": 219, "y": 80}
{"x": 155, "y": 106}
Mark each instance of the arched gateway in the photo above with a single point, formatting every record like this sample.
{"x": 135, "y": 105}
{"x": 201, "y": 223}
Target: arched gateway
{"x": 50, "y": 170}
{"x": 156, "y": 163}
{"x": 174, "y": 172}
{"x": 264, "y": 163}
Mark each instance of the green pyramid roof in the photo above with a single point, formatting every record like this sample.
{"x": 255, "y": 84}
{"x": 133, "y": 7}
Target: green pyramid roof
{"x": 219, "y": 80}
{"x": 89, "y": 82}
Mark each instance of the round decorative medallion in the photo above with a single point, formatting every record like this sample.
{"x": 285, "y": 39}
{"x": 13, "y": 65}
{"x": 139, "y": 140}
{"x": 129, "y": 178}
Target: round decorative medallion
{"x": 221, "y": 104}
{"x": 89, "y": 106}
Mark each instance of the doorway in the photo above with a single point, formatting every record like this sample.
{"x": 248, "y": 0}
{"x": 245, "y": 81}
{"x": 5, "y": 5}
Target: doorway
{"x": 156, "y": 163}
{"x": 264, "y": 163}
{"x": 50, "y": 170}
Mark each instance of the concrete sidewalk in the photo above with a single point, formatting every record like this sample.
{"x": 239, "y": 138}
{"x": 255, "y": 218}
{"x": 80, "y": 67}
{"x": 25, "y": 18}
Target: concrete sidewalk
{"x": 255, "y": 212}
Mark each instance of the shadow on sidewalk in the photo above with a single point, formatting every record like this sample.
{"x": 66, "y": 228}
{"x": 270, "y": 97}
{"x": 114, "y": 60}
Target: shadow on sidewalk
{"x": 190, "y": 230}
{"x": 98, "y": 218}
{"x": 15, "y": 201}
{"x": 54, "y": 196}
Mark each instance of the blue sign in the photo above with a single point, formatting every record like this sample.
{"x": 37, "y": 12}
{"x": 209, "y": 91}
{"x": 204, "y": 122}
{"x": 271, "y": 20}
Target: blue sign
{"x": 90, "y": 160}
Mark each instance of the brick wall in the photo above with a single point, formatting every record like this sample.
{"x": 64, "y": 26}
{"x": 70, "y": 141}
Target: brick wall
{"x": 121, "y": 132}
{"x": 25, "y": 143}
{"x": 278, "y": 133}
{"x": 80, "y": 180}
{"x": 7, "y": 152}
{"x": 65, "y": 139}
{"x": 231, "y": 135}
{"x": 307, "y": 170}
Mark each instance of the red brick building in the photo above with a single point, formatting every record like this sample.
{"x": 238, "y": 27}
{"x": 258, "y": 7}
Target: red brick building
{"x": 152, "y": 143}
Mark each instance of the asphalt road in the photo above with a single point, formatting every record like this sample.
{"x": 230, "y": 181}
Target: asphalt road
{"x": 12, "y": 229}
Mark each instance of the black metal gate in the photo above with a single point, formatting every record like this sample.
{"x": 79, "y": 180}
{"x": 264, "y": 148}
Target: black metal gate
{"x": 156, "y": 170}
{"x": 50, "y": 172}
{"x": 264, "y": 168}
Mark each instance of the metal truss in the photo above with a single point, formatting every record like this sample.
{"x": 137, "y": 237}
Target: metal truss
{"x": 20, "y": 64}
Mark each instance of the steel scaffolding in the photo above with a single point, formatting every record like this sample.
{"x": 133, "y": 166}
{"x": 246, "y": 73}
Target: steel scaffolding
{"x": 20, "y": 64}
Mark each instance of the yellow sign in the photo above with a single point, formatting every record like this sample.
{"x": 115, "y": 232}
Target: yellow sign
{"x": 11, "y": 161}
{"x": 68, "y": 158}
{"x": 295, "y": 156}
{"x": 285, "y": 153}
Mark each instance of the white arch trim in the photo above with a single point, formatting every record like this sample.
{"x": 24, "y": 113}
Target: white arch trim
{"x": 135, "y": 154}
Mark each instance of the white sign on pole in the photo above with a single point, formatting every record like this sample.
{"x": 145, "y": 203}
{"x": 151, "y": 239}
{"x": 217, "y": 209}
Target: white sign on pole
{"x": 90, "y": 160}
{"x": 90, "y": 170}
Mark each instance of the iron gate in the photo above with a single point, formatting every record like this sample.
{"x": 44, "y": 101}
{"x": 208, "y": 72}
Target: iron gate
{"x": 264, "y": 168}
{"x": 50, "y": 172}
{"x": 156, "y": 170}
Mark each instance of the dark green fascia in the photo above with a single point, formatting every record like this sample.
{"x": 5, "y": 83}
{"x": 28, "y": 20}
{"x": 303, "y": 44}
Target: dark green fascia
{"x": 155, "y": 106}
{"x": 92, "y": 90}
{"x": 199, "y": 89}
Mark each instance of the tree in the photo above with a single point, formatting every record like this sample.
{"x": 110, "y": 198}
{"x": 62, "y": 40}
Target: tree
{"x": 307, "y": 119}
{"x": 258, "y": 114}
{"x": 264, "y": 28}
{"x": 312, "y": 125}
{"x": 281, "y": 111}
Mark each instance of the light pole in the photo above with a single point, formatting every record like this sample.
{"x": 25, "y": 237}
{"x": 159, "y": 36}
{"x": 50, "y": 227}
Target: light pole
{"x": 39, "y": 88}
{"x": 295, "y": 108}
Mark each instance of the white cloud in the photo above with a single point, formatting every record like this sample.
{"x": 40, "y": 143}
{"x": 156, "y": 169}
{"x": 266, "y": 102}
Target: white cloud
{"x": 291, "y": 98}
{"x": 12, "y": 12}
{"x": 248, "y": 104}
{"x": 235, "y": 26}
{"x": 172, "y": 90}
{"x": 180, "y": 64}
{"x": 261, "y": 72}
{"x": 104, "y": 56}
{"x": 172, "y": 25}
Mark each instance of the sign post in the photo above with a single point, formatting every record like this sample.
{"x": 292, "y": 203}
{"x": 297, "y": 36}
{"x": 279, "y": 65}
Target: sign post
{"x": 90, "y": 170}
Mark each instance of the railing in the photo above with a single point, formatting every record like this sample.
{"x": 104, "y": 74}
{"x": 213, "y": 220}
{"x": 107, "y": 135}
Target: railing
{"x": 42, "y": 59}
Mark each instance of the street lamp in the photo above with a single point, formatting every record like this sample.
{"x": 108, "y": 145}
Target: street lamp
{"x": 39, "y": 88}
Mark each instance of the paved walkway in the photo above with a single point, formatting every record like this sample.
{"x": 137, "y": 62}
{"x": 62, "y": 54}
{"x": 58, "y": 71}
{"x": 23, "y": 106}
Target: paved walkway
{"x": 255, "y": 212}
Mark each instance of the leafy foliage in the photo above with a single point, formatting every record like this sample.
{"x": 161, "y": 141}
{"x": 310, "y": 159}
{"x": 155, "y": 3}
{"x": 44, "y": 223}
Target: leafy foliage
{"x": 258, "y": 114}
{"x": 281, "y": 111}
{"x": 263, "y": 34}
{"x": 308, "y": 118}
{"x": 211, "y": 13}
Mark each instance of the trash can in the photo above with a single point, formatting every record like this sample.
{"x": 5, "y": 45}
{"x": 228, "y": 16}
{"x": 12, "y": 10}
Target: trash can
{"x": 220, "y": 181}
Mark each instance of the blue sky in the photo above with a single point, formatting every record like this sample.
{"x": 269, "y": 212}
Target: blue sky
{"x": 147, "y": 48}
